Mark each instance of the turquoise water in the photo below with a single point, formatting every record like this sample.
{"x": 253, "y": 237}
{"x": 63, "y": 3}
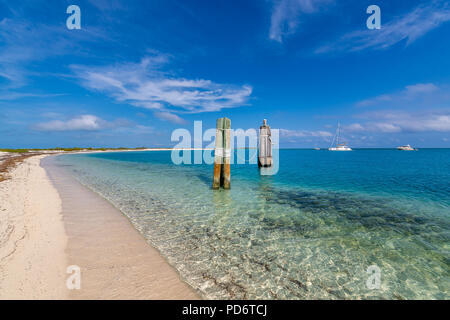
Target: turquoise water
{"x": 309, "y": 232}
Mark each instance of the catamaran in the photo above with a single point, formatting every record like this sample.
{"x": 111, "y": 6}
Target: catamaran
{"x": 338, "y": 146}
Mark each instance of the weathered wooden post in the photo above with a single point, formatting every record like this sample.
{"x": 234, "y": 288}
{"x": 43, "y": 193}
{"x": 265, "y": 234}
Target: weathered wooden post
{"x": 222, "y": 154}
{"x": 218, "y": 154}
{"x": 265, "y": 146}
{"x": 226, "y": 152}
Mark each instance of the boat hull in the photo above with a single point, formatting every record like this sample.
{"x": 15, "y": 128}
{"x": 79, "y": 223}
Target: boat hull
{"x": 340, "y": 149}
{"x": 406, "y": 148}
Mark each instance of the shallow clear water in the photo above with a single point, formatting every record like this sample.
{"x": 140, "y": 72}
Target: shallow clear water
{"x": 309, "y": 232}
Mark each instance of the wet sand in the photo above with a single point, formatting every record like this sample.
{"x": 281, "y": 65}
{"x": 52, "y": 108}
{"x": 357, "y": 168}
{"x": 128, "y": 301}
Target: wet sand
{"x": 115, "y": 260}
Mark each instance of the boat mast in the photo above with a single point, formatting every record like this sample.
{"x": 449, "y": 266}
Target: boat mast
{"x": 338, "y": 133}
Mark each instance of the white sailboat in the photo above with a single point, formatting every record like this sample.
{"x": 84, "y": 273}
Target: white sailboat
{"x": 338, "y": 146}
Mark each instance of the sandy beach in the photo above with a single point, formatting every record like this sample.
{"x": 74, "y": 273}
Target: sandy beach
{"x": 31, "y": 236}
{"x": 49, "y": 221}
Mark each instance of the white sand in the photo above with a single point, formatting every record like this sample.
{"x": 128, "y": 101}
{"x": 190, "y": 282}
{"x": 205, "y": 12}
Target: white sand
{"x": 32, "y": 236}
{"x": 44, "y": 229}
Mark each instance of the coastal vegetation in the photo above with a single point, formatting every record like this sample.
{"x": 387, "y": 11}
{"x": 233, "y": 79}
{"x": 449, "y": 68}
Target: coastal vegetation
{"x": 10, "y": 162}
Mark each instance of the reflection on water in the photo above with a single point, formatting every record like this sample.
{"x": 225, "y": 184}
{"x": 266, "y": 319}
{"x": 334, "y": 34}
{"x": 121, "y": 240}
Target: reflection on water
{"x": 267, "y": 240}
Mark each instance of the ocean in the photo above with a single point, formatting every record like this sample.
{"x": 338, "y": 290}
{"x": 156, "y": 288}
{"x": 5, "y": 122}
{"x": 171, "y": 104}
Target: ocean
{"x": 316, "y": 230}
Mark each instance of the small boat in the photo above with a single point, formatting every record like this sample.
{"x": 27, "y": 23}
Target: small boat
{"x": 341, "y": 147}
{"x": 338, "y": 146}
{"x": 406, "y": 148}
{"x": 316, "y": 148}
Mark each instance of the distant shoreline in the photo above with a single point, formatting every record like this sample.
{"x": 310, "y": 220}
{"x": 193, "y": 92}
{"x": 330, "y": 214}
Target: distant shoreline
{"x": 84, "y": 150}
{"x": 99, "y": 150}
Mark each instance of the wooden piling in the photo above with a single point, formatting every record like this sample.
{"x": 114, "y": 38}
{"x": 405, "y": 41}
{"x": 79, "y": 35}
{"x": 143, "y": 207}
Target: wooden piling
{"x": 265, "y": 158}
{"x": 222, "y": 154}
{"x": 218, "y": 154}
{"x": 227, "y": 152}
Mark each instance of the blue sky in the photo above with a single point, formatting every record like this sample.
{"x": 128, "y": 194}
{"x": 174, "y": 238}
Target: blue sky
{"x": 137, "y": 70}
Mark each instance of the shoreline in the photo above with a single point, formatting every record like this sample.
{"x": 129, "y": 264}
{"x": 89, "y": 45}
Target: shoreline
{"x": 64, "y": 222}
{"x": 32, "y": 235}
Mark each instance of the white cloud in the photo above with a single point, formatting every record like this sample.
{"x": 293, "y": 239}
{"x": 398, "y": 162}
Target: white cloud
{"x": 409, "y": 27}
{"x": 88, "y": 122}
{"x": 355, "y": 127}
{"x": 395, "y": 122}
{"x": 386, "y": 127}
{"x": 145, "y": 85}
{"x": 422, "y": 107}
{"x": 437, "y": 122}
{"x": 82, "y": 123}
{"x": 410, "y": 93}
{"x": 169, "y": 117}
{"x": 304, "y": 133}
{"x": 286, "y": 15}
{"x": 8, "y": 96}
